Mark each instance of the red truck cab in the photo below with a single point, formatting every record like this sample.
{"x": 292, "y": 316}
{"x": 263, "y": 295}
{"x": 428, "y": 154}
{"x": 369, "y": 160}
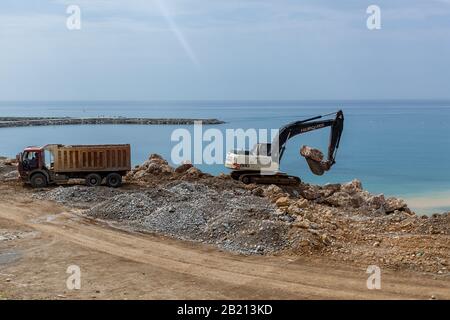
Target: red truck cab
{"x": 31, "y": 160}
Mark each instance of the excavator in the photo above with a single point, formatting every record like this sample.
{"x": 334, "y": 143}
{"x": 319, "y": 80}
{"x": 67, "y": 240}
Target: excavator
{"x": 262, "y": 163}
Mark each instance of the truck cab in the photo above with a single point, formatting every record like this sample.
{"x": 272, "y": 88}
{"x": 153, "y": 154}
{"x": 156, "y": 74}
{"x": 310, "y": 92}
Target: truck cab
{"x": 35, "y": 162}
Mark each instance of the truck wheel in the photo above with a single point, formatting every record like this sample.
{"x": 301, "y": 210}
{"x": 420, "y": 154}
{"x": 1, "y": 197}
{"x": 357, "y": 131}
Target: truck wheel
{"x": 38, "y": 180}
{"x": 114, "y": 180}
{"x": 93, "y": 180}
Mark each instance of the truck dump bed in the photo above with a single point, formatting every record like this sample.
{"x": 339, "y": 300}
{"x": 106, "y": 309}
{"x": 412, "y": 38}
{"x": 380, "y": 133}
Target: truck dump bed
{"x": 90, "y": 158}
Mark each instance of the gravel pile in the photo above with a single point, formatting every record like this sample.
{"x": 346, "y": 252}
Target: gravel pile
{"x": 234, "y": 220}
{"x": 77, "y": 196}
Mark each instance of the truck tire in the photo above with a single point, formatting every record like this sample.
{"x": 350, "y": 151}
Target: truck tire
{"x": 38, "y": 180}
{"x": 114, "y": 180}
{"x": 93, "y": 180}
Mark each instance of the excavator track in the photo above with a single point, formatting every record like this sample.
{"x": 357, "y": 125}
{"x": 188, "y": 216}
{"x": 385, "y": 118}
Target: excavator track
{"x": 258, "y": 178}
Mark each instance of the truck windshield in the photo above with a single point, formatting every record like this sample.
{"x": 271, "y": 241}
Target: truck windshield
{"x": 30, "y": 160}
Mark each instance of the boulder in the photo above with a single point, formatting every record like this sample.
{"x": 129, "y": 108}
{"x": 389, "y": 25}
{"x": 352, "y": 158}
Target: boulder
{"x": 302, "y": 203}
{"x": 344, "y": 199}
{"x": 310, "y": 193}
{"x": 274, "y": 192}
{"x": 394, "y": 204}
{"x": 259, "y": 192}
{"x": 376, "y": 201}
{"x": 311, "y": 153}
{"x": 352, "y": 187}
{"x": 183, "y": 168}
{"x": 282, "y": 202}
{"x": 194, "y": 172}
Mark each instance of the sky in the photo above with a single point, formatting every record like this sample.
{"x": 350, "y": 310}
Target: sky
{"x": 224, "y": 50}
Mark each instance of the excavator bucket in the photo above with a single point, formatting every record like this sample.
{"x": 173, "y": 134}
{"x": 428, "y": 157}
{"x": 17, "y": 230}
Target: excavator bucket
{"x": 315, "y": 167}
{"x": 314, "y": 158}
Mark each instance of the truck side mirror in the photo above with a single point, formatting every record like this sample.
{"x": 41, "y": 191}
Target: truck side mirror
{"x": 18, "y": 157}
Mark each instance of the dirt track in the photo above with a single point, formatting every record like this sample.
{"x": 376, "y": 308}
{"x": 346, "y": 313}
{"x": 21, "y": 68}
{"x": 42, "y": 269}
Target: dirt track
{"x": 125, "y": 265}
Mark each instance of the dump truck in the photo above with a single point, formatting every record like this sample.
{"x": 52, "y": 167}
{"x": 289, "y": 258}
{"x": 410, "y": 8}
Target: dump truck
{"x": 56, "y": 163}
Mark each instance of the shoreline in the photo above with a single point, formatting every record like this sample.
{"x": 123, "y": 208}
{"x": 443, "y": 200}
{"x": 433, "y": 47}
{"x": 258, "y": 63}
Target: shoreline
{"x": 13, "y": 122}
{"x": 429, "y": 203}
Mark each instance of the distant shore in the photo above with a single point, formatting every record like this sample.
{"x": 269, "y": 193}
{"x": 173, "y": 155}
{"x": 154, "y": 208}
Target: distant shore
{"x": 429, "y": 203}
{"x": 11, "y": 122}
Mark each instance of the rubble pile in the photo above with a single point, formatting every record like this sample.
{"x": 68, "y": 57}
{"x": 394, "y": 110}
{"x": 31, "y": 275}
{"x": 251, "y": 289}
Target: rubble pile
{"x": 158, "y": 169}
{"x": 8, "y": 170}
{"x": 348, "y": 223}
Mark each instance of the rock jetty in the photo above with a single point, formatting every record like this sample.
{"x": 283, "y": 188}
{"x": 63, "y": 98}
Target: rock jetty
{"x": 9, "y": 122}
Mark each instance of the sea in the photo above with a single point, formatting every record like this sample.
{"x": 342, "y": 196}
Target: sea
{"x": 398, "y": 148}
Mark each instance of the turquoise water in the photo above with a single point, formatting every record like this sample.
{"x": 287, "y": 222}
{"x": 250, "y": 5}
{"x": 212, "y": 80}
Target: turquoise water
{"x": 397, "y": 148}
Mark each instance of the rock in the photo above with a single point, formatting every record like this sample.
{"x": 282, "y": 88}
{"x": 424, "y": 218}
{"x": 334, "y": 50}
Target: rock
{"x": 157, "y": 157}
{"x": 224, "y": 176}
{"x": 301, "y": 223}
{"x": 274, "y": 192}
{"x": 311, "y": 153}
{"x": 294, "y": 210}
{"x": 258, "y": 192}
{"x": 325, "y": 239}
{"x": 154, "y": 168}
{"x": 352, "y": 187}
{"x": 11, "y": 176}
{"x": 183, "y": 168}
{"x": 194, "y": 172}
{"x": 340, "y": 199}
{"x": 139, "y": 175}
{"x": 302, "y": 203}
{"x": 376, "y": 202}
{"x": 145, "y": 165}
{"x": 282, "y": 202}
{"x": 394, "y": 204}
{"x": 329, "y": 189}
{"x": 310, "y": 193}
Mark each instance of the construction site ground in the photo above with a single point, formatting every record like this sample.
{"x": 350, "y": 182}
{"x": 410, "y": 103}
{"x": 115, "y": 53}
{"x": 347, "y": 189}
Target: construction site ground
{"x": 43, "y": 238}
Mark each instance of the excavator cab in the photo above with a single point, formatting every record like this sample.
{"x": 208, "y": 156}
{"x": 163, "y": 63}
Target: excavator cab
{"x": 261, "y": 149}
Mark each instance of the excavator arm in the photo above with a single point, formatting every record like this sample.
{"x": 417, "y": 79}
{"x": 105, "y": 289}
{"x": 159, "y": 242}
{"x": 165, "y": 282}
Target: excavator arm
{"x": 303, "y": 126}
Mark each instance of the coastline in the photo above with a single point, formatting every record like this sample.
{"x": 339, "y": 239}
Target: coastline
{"x": 429, "y": 203}
{"x": 12, "y": 122}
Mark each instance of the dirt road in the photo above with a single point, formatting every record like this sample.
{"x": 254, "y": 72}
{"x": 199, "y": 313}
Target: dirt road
{"x": 45, "y": 239}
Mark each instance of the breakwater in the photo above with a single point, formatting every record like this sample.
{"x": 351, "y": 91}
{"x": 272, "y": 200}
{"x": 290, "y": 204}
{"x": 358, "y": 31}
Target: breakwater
{"x": 10, "y": 122}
